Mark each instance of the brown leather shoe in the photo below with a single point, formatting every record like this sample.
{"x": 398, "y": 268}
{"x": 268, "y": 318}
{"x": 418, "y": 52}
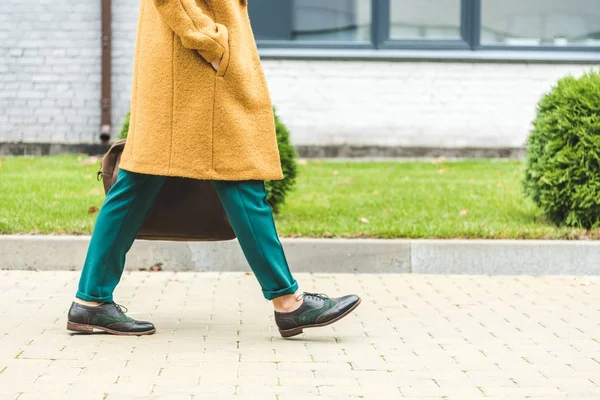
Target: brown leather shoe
{"x": 108, "y": 317}
{"x": 316, "y": 310}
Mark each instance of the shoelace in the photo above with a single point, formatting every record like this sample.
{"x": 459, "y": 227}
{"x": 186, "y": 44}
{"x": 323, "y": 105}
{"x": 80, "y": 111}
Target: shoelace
{"x": 321, "y": 296}
{"x": 120, "y": 308}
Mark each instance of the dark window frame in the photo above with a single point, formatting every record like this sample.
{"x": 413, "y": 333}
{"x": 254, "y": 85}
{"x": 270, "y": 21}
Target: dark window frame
{"x": 470, "y": 27}
{"x": 477, "y": 45}
{"x": 423, "y": 44}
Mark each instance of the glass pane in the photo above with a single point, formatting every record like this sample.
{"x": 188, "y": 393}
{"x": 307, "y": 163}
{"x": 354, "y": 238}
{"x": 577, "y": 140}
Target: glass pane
{"x": 271, "y": 19}
{"x": 339, "y": 20}
{"x": 425, "y": 19}
{"x": 541, "y": 22}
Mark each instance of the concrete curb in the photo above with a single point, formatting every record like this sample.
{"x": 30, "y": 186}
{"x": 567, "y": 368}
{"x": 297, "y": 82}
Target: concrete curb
{"x": 486, "y": 257}
{"x": 333, "y": 152}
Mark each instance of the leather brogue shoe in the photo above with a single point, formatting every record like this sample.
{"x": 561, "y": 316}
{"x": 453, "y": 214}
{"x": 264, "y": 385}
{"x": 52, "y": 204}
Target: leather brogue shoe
{"x": 108, "y": 317}
{"x": 316, "y": 310}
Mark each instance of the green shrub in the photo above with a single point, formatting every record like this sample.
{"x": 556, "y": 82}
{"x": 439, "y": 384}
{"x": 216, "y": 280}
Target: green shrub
{"x": 125, "y": 127}
{"x": 563, "y": 153}
{"x": 276, "y": 190}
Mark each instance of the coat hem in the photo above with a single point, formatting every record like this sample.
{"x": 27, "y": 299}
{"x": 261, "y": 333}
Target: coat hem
{"x": 214, "y": 176}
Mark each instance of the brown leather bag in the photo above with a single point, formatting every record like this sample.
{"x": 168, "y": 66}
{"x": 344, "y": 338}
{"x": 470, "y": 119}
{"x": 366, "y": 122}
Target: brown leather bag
{"x": 185, "y": 209}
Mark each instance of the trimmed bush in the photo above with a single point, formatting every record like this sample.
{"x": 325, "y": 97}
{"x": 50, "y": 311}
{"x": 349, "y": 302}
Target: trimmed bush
{"x": 125, "y": 127}
{"x": 563, "y": 153}
{"x": 276, "y": 190}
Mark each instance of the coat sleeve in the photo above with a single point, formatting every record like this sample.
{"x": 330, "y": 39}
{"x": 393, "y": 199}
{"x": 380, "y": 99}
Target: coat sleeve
{"x": 196, "y": 30}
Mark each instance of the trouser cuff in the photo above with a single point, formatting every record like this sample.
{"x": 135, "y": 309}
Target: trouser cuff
{"x": 86, "y": 297}
{"x": 271, "y": 294}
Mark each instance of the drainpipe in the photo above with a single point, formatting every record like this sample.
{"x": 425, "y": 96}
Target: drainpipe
{"x": 105, "y": 123}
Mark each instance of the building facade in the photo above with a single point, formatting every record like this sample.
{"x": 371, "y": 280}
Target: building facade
{"x": 349, "y": 77}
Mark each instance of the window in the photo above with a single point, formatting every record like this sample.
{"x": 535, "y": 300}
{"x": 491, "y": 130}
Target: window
{"x": 311, "y": 20}
{"x": 424, "y": 19}
{"x": 427, "y": 24}
{"x": 541, "y": 22}
{"x": 345, "y": 20}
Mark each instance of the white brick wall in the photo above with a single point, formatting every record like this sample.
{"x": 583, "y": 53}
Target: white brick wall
{"x": 411, "y": 103}
{"x": 49, "y": 70}
{"x": 124, "y": 25}
{"x": 50, "y": 87}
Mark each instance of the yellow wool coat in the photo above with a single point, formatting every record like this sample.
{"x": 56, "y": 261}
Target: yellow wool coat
{"x": 187, "y": 119}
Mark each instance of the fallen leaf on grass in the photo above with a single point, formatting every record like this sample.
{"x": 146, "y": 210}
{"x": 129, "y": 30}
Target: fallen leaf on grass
{"x": 443, "y": 171}
{"x": 500, "y": 184}
{"x": 93, "y": 210}
{"x": 90, "y": 160}
{"x": 464, "y": 212}
{"x": 386, "y": 210}
{"x": 336, "y": 172}
{"x": 439, "y": 160}
{"x": 363, "y": 220}
{"x": 375, "y": 192}
{"x": 156, "y": 267}
{"x": 347, "y": 182}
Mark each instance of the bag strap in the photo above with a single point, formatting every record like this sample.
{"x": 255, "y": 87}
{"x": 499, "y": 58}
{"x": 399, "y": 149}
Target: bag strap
{"x": 109, "y": 162}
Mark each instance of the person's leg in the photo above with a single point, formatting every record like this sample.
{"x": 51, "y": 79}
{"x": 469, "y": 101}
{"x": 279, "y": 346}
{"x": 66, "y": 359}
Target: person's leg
{"x": 120, "y": 218}
{"x": 252, "y": 220}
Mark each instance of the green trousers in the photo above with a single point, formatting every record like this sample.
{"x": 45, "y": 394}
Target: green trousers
{"x": 126, "y": 206}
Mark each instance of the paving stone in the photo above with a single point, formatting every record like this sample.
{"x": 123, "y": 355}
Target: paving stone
{"x": 417, "y": 336}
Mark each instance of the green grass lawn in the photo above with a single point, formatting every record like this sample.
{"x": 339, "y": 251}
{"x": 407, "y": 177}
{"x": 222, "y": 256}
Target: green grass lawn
{"x": 469, "y": 199}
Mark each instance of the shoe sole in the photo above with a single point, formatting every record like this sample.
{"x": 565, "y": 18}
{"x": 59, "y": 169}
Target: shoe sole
{"x": 73, "y": 326}
{"x": 296, "y": 331}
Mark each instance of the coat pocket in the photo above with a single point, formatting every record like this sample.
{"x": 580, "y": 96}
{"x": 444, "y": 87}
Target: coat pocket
{"x": 226, "y": 58}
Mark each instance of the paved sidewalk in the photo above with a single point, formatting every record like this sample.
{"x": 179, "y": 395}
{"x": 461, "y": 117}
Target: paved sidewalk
{"x": 414, "y": 336}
